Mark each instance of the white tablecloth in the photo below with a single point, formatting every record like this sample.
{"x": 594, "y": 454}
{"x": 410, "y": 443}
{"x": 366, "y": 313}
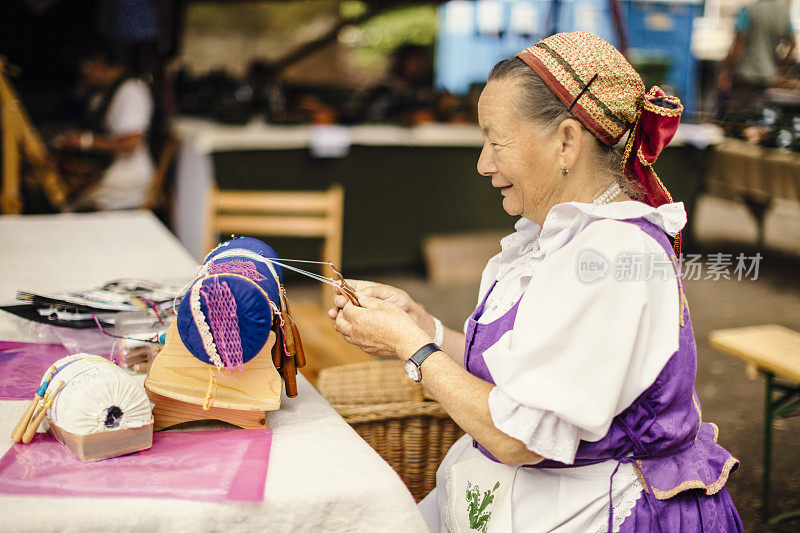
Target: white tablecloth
{"x": 322, "y": 476}
{"x": 208, "y": 137}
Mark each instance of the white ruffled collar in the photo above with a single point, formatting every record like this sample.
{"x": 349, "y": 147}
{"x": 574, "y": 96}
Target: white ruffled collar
{"x": 530, "y": 238}
{"x": 671, "y": 218}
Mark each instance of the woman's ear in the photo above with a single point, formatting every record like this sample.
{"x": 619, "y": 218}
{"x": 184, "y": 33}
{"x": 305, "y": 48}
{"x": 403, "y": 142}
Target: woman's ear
{"x": 569, "y": 136}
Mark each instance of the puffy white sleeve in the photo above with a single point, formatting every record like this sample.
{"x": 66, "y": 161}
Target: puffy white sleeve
{"x": 580, "y": 351}
{"x": 131, "y": 108}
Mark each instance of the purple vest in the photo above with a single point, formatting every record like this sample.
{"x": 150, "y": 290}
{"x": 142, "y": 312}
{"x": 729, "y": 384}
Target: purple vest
{"x": 661, "y": 432}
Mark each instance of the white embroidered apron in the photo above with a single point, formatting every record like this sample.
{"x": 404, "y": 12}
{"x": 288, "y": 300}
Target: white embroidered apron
{"x": 479, "y": 496}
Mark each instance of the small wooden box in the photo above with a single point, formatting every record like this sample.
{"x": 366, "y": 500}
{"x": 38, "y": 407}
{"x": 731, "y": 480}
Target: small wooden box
{"x": 104, "y": 445}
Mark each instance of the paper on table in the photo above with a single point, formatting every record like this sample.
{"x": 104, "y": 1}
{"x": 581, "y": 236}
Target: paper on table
{"x": 225, "y": 465}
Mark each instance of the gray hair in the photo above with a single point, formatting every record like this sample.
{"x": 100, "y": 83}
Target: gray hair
{"x": 542, "y": 106}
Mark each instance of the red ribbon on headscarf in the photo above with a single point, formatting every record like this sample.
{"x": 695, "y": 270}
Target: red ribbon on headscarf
{"x": 658, "y": 121}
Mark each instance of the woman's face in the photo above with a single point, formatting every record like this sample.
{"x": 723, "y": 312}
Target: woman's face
{"x": 519, "y": 156}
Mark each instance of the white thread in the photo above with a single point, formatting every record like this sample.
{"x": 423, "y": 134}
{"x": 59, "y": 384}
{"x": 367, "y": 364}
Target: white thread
{"x": 202, "y": 325}
{"x": 276, "y": 311}
{"x": 200, "y": 273}
{"x": 233, "y": 252}
{"x": 243, "y": 252}
{"x": 217, "y": 247}
{"x": 240, "y": 252}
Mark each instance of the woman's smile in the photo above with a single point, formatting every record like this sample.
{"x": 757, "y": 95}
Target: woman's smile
{"x": 504, "y": 187}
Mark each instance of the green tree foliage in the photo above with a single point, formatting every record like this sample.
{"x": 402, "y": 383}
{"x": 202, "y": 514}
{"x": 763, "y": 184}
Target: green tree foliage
{"x": 376, "y": 39}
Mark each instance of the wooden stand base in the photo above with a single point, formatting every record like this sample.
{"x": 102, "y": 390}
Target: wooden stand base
{"x": 178, "y": 384}
{"x": 169, "y": 412}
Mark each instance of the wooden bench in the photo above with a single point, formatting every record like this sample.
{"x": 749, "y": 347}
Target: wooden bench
{"x": 773, "y": 351}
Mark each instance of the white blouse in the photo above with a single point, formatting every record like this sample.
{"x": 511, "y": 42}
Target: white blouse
{"x": 124, "y": 183}
{"x": 590, "y": 335}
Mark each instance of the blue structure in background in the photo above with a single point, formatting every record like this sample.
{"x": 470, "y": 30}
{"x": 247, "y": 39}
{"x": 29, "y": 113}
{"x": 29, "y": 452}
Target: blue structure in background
{"x": 593, "y": 16}
{"x": 664, "y": 29}
{"x": 474, "y": 35}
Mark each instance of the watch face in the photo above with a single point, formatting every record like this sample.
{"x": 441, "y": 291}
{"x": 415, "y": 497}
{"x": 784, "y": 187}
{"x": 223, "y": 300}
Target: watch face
{"x": 412, "y": 371}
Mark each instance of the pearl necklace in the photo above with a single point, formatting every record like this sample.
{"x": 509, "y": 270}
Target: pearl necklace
{"x": 612, "y": 192}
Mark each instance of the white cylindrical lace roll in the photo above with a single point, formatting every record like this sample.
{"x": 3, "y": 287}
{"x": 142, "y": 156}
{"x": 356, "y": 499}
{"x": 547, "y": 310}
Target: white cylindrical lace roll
{"x": 97, "y": 396}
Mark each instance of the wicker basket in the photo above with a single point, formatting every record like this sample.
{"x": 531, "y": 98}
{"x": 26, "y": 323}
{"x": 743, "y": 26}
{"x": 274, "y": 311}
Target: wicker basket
{"x": 395, "y": 416}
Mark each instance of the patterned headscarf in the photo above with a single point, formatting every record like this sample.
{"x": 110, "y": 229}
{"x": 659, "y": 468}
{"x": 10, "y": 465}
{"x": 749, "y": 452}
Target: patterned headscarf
{"x": 607, "y": 96}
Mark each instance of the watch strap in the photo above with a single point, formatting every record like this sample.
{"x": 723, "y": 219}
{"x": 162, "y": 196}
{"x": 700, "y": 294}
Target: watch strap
{"x": 423, "y": 353}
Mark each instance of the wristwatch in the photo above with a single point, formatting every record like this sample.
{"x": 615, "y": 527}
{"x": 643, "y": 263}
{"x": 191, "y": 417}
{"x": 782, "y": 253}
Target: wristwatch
{"x": 414, "y": 363}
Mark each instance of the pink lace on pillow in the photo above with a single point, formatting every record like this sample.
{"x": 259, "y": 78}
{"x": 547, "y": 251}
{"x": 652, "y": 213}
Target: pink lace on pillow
{"x": 224, "y": 323}
{"x": 243, "y": 268}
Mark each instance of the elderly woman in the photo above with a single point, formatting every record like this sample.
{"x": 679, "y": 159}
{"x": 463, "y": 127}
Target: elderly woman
{"x": 574, "y": 380}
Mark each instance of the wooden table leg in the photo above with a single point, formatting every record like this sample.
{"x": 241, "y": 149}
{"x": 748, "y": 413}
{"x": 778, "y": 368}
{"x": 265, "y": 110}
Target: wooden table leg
{"x": 758, "y": 208}
{"x": 767, "y": 451}
{"x": 785, "y": 405}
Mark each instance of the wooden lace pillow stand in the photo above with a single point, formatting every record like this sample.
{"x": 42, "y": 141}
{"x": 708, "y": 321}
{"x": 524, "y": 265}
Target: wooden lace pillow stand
{"x": 178, "y": 384}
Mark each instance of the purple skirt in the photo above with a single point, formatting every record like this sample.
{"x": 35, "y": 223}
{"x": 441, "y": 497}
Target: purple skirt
{"x": 689, "y": 512}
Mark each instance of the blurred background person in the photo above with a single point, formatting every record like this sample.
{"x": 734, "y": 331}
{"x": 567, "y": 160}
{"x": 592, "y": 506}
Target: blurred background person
{"x": 753, "y": 63}
{"x": 407, "y": 91}
{"x": 268, "y": 96}
{"x": 107, "y": 162}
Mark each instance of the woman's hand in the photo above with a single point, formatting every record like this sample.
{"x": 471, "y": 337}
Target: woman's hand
{"x": 380, "y": 328}
{"x": 392, "y": 295}
{"x": 69, "y": 140}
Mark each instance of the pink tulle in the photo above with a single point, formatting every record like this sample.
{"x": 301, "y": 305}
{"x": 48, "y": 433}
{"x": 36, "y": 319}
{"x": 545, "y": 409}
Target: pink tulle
{"x": 22, "y": 365}
{"x": 226, "y": 465}
{"x": 243, "y": 268}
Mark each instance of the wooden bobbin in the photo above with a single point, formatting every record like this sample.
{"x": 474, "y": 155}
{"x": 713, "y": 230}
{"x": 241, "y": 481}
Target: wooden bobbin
{"x": 22, "y": 425}
{"x": 46, "y": 402}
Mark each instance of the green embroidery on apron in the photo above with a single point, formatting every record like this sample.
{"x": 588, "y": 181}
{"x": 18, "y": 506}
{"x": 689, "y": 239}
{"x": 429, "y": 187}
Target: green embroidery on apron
{"x": 476, "y": 506}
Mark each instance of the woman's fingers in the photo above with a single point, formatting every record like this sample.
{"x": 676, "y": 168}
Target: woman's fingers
{"x": 359, "y": 284}
{"x": 371, "y": 302}
{"x": 380, "y": 291}
{"x": 376, "y": 290}
{"x": 378, "y": 327}
{"x": 384, "y": 292}
{"x": 341, "y": 324}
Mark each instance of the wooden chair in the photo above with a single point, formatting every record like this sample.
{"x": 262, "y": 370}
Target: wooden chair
{"x": 155, "y": 192}
{"x": 305, "y": 214}
{"x": 294, "y": 214}
{"x": 21, "y": 141}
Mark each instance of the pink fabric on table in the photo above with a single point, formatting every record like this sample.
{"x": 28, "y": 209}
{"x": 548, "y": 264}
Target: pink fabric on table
{"x": 225, "y": 465}
{"x": 22, "y": 365}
